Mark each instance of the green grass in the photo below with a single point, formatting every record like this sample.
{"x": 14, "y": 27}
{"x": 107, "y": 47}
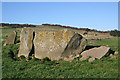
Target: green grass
{"x": 112, "y": 43}
{"x": 105, "y": 68}
{"x": 96, "y": 69}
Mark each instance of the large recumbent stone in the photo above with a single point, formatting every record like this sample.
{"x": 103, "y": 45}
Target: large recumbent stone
{"x": 97, "y": 52}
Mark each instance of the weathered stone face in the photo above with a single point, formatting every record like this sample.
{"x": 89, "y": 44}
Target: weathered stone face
{"x": 75, "y": 46}
{"x": 11, "y": 38}
{"x": 51, "y": 44}
{"x": 95, "y": 53}
{"x": 26, "y": 42}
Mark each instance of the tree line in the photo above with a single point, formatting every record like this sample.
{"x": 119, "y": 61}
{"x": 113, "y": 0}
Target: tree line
{"x": 16, "y": 25}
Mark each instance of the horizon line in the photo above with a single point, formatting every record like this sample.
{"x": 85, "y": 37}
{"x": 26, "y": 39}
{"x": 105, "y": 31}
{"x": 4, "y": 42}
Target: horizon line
{"x": 57, "y": 24}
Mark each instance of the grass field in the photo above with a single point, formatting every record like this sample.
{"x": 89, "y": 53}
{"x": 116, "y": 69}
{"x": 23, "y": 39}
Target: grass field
{"x": 106, "y": 67}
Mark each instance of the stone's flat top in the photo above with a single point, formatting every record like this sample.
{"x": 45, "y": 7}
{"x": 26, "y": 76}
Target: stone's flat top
{"x": 96, "y": 52}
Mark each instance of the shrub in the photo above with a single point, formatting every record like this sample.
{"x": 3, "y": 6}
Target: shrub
{"x": 115, "y": 33}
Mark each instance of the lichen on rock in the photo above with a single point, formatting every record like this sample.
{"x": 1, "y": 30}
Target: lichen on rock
{"x": 54, "y": 44}
{"x": 51, "y": 44}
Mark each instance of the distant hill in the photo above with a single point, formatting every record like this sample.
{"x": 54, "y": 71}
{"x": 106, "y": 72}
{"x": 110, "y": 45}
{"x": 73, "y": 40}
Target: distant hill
{"x": 56, "y": 25}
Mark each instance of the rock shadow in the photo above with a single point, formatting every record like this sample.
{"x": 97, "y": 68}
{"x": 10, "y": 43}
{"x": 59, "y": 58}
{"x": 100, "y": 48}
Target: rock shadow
{"x": 110, "y": 52}
{"x": 90, "y": 47}
{"x": 32, "y": 50}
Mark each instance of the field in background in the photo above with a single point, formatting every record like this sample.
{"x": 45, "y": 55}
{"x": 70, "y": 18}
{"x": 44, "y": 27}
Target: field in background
{"x": 79, "y": 31}
{"x": 106, "y": 67}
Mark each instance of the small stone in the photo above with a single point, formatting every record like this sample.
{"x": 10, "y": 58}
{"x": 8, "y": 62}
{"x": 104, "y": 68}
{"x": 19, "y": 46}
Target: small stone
{"x": 112, "y": 56}
{"x": 116, "y": 53}
{"x": 107, "y": 45}
{"x": 91, "y": 59}
{"x": 83, "y": 58}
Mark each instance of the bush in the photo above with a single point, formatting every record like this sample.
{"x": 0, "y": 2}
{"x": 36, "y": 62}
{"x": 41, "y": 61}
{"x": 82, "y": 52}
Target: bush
{"x": 115, "y": 33}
